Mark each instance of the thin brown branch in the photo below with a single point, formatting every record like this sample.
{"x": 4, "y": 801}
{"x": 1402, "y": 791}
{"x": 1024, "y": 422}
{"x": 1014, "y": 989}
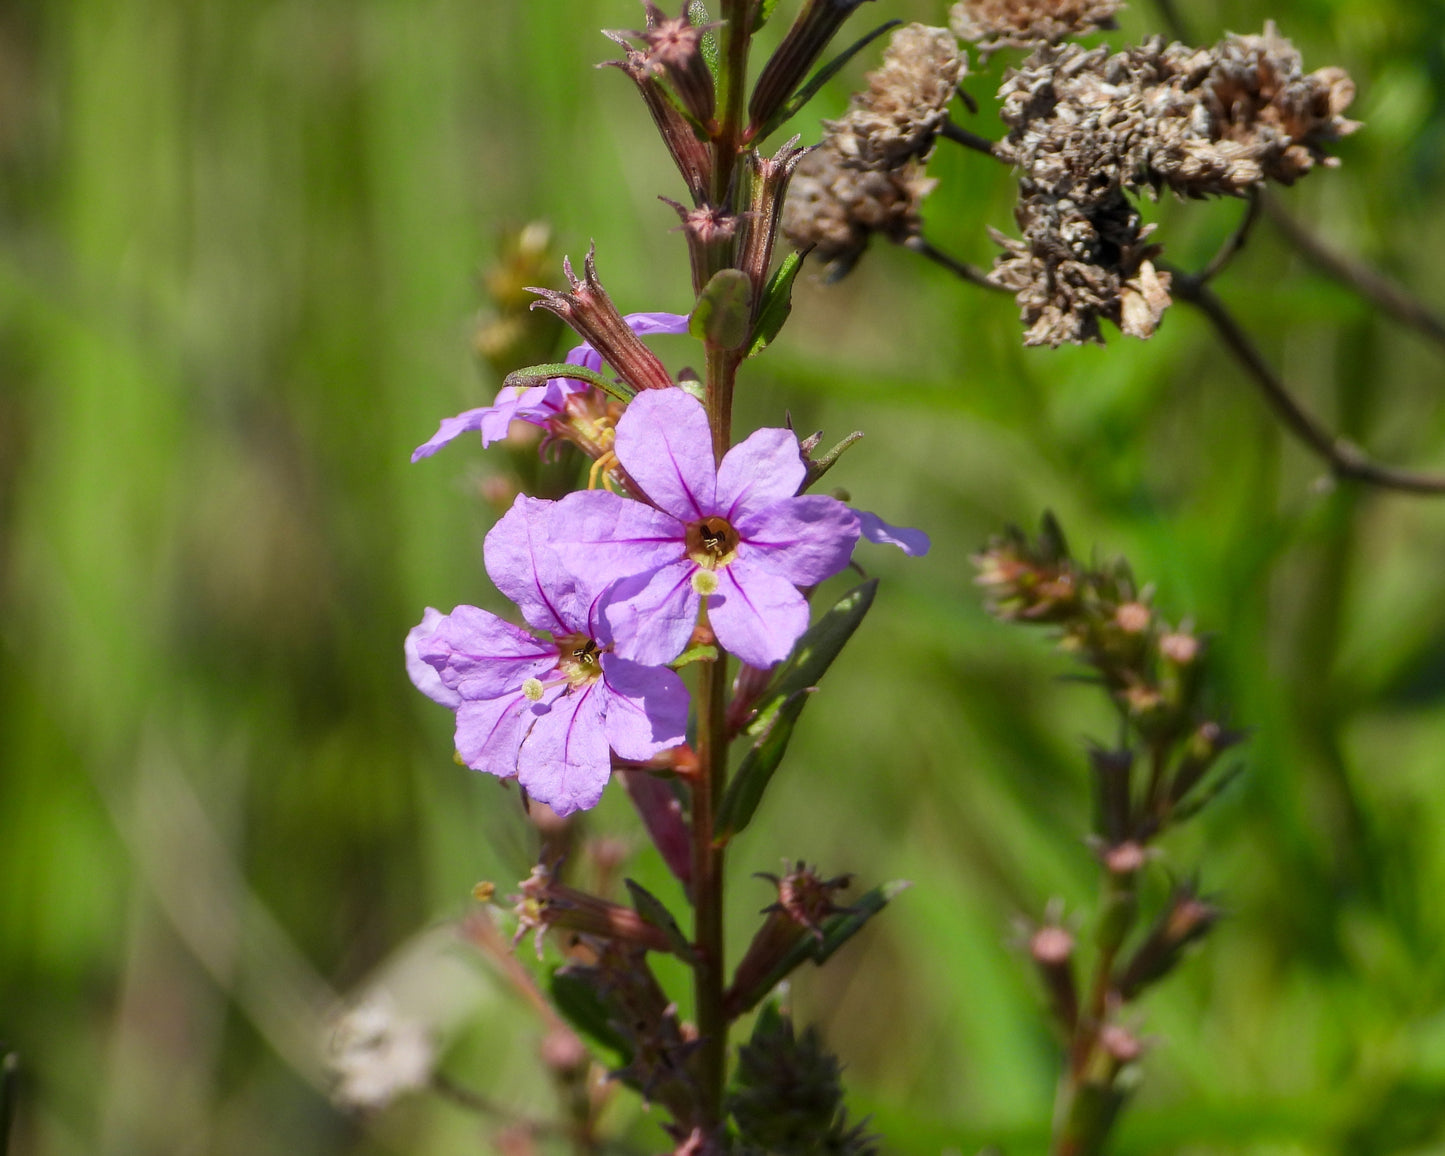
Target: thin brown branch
{"x": 1235, "y": 242}
{"x": 1391, "y": 297}
{"x": 961, "y": 269}
{"x": 972, "y": 140}
{"x": 1346, "y": 460}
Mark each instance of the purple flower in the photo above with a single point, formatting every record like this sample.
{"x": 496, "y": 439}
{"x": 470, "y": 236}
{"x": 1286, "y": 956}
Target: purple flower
{"x": 735, "y": 533}
{"x": 538, "y": 404}
{"x": 543, "y": 710}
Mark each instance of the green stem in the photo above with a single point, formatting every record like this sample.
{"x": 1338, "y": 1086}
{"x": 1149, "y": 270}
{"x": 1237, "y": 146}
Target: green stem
{"x": 738, "y": 33}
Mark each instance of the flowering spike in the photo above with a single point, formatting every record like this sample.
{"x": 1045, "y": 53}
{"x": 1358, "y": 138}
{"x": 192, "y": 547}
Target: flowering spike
{"x": 590, "y": 311}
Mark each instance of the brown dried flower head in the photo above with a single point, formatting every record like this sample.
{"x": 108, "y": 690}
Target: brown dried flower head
{"x": 995, "y": 24}
{"x": 867, "y": 175}
{"x": 1087, "y": 126}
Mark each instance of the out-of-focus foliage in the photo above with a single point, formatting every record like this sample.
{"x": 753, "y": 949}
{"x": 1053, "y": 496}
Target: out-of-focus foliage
{"x": 239, "y": 253}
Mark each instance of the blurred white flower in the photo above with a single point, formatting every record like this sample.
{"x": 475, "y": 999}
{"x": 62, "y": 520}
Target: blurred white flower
{"x": 377, "y": 1053}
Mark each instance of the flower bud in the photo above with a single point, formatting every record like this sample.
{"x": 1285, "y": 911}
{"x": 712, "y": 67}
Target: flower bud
{"x": 1187, "y": 918}
{"x": 1052, "y": 949}
{"x": 674, "y": 50}
{"x": 768, "y": 179}
{"x": 590, "y": 311}
{"x": 691, "y": 155}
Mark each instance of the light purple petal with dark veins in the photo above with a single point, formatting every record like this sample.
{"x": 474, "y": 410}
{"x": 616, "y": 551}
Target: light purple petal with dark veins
{"x": 646, "y": 707}
{"x": 525, "y": 567}
{"x": 764, "y": 469}
{"x": 607, "y": 537}
{"x": 564, "y": 760}
{"x": 423, "y": 674}
{"x": 914, "y": 543}
{"x": 652, "y": 615}
{"x": 802, "y": 539}
{"x": 489, "y": 732}
{"x": 664, "y": 443}
{"x": 480, "y": 656}
{"x": 755, "y": 614}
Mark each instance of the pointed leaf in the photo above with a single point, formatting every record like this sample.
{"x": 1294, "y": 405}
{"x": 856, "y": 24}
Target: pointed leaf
{"x": 777, "y": 303}
{"x": 745, "y": 791}
{"x": 652, "y": 909}
{"x": 540, "y": 374}
{"x": 723, "y": 310}
{"x": 815, "y": 652}
{"x": 586, "y": 1011}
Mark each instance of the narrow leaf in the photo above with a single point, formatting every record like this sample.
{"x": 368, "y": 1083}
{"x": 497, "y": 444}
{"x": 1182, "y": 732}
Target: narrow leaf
{"x": 585, "y": 1010}
{"x": 777, "y": 303}
{"x": 541, "y": 374}
{"x": 723, "y": 310}
{"x": 754, "y": 773}
{"x": 821, "y": 77}
{"x": 815, "y": 652}
{"x": 652, "y": 909}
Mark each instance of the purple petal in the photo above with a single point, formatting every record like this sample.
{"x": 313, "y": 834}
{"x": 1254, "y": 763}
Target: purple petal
{"x": 914, "y": 543}
{"x": 525, "y": 567}
{"x": 607, "y": 537}
{"x": 652, "y": 615}
{"x": 764, "y": 469}
{"x": 755, "y": 614}
{"x": 664, "y": 442}
{"x": 490, "y": 731}
{"x": 645, "y": 324}
{"x": 802, "y": 539}
{"x": 646, "y": 707}
{"x": 424, "y": 675}
{"x": 564, "y": 761}
{"x": 479, "y": 656}
{"x": 535, "y": 404}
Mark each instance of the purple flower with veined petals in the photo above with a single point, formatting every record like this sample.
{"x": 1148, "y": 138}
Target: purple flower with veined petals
{"x": 736, "y": 533}
{"x": 538, "y": 404}
{"x": 543, "y": 710}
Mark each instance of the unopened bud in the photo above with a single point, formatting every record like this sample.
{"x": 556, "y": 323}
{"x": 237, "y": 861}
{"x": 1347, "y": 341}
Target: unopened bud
{"x": 1052, "y": 950}
{"x": 1121, "y": 1045}
{"x": 789, "y": 65}
{"x": 1187, "y": 919}
{"x": 1132, "y": 617}
{"x": 674, "y": 50}
{"x": 1179, "y": 647}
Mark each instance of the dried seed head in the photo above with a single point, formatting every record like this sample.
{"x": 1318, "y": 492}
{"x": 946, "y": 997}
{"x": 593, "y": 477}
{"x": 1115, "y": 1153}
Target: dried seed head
{"x": 1086, "y": 127}
{"x": 867, "y": 175}
{"x": 995, "y": 24}
{"x": 899, "y": 115}
{"x": 837, "y": 208}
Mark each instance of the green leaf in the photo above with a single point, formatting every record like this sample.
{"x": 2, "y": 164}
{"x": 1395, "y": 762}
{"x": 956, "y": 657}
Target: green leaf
{"x": 723, "y": 310}
{"x": 745, "y": 791}
{"x": 540, "y": 374}
{"x": 652, "y": 909}
{"x": 585, "y": 1010}
{"x": 777, "y": 303}
{"x": 694, "y": 654}
{"x": 821, "y": 77}
{"x": 815, "y": 652}
{"x": 765, "y": 10}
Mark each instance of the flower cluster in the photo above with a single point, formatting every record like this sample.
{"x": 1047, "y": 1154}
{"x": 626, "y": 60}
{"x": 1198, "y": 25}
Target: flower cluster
{"x": 1087, "y": 126}
{"x": 612, "y": 586}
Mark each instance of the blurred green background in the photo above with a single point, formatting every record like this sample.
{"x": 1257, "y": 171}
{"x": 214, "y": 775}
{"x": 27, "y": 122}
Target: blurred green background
{"x": 238, "y": 283}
